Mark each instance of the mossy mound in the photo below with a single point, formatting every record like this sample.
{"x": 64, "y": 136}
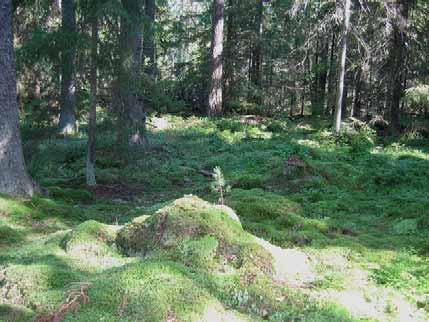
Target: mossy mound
{"x": 9, "y": 236}
{"x": 93, "y": 243}
{"x": 148, "y": 291}
{"x": 37, "y": 285}
{"x": 275, "y": 217}
{"x": 196, "y": 233}
{"x": 15, "y": 313}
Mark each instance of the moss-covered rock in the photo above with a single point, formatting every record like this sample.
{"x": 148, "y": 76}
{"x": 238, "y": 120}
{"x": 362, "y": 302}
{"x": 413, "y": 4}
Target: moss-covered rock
{"x": 195, "y": 233}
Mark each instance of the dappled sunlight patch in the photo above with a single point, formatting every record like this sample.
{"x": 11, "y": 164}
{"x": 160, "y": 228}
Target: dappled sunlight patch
{"x": 308, "y": 143}
{"x": 373, "y": 303}
{"x": 341, "y": 280}
{"x": 32, "y": 214}
{"x": 291, "y": 266}
{"x": 214, "y": 312}
{"x": 159, "y": 123}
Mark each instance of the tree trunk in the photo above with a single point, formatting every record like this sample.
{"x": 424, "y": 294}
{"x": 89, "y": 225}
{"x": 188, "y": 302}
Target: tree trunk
{"x": 149, "y": 39}
{"x": 331, "y": 79}
{"x": 357, "y": 102}
{"x": 302, "y": 102}
{"x": 229, "y": 57}
{"x": 67, "y": 122}
{"x": 345, "y": 96}
{"x": 293, "y": 99}
{"x": 215, "y": 90}
{"x": 90, "y": 161}
{"x": 321, "y": 76}
{"x": 314, "y": 80}
{"x": 342, "y": 64}
{"x": 128, "y": 93}
{"x": 256, "y": 56}
{"x": 14, "y": 179}
{"x": 399, "y": 10}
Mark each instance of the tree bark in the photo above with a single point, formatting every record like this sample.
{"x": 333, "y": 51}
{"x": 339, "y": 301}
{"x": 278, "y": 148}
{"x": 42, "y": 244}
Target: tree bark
{"x": 399, "y": 11}
{"x": 357, "y": 101}
{"x": 256, "y": 56}
{"x": 67, "y": 122}
{"x": 230, "y": 60}
{"x": 215, "y": 90}
{"x": 149, "y": 39}
{"x": 302, "y": 102}
{"x": 128, "y": 98}
{"x": 321, "y": 76}
{"x": 331, "y": 79}
{"x": 91, "y": 154}
{"x": 342, "y": 64}
{"x": 14, "y": 179}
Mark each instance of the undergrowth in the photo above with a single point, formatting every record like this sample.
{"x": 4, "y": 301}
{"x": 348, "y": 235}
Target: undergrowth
{"x": 362, "y": 198}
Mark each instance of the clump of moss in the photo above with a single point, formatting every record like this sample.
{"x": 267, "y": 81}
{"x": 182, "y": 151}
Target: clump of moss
{"x": 93, "y": 244}
{"x": 275, "y": 217}
{"x": 37, "y": 214}
{"x": 195, "y": 233}
{"x": 15, "y": 313}
{"x": 90, "y": 231}
{"x": 147, "y": 291}
{"x": 9, "y": 236}
{"x": 38, "y": 285}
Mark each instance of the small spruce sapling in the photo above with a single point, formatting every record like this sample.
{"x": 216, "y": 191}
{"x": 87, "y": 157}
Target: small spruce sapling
{"x": 219, "y": 185}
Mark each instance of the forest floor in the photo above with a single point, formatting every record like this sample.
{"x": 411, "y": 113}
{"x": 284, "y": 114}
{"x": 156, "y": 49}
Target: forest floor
{"x": 352, "y": 221}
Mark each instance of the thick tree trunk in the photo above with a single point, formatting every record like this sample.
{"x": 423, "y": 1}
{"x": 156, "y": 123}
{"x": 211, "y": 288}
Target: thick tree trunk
{"x": 67, "y": 123}
{"x": 399, "y": 11}
{"x": 342, "y": 65}
{"x": 128, "y": 92}
{"x": 90, "y": 160}
{"x": 215, "y": 90}
{"x": 14, "y": 179}
{"x": 149, "y": 39}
